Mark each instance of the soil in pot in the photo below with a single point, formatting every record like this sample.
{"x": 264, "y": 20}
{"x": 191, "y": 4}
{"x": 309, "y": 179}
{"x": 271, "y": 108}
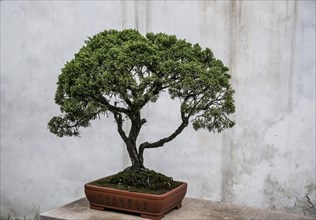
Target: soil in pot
{"x": 144, "y": 181}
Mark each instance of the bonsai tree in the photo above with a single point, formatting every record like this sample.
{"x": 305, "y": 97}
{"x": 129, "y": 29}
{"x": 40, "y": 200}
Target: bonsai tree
{"x": 119, "y": 72}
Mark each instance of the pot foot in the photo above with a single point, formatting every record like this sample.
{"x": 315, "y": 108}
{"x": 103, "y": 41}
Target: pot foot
{"x": 179, "y": 206}
{"x": 95, "y": 207}
{"x": 154, "y": 217}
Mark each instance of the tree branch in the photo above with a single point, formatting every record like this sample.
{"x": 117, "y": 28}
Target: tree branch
{"x": 162, "y": 141}
{"x": 214, "y": 101}
{"x": 110, "y": 107}
{"x": 135, "y": 127}
{"x": 185, "y": 121}
{"x": 154, "y": 89}
{"x": 119, "y": 122}
{"x": 77, "y": 123}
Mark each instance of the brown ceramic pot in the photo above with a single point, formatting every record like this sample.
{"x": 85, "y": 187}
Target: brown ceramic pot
{"x": 147, "y": 205}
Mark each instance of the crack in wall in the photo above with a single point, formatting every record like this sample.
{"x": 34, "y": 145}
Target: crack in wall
{"x": 305, "y": 206}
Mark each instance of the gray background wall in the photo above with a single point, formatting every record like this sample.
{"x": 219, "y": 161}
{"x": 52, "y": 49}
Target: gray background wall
{"x": 267, "y": 160}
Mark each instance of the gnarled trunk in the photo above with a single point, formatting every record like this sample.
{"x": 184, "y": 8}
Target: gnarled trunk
{"x": 130, "y": 140}
{"x": 137, "y": 163}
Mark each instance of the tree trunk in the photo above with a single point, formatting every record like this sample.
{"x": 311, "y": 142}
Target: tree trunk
{"x": 136, "y": 121}
{"x": 130, "y": 140}
{"x": 137, "y": 163}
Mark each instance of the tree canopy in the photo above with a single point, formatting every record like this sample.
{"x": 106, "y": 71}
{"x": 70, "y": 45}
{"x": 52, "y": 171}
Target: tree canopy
{"x": 119, "y": 72}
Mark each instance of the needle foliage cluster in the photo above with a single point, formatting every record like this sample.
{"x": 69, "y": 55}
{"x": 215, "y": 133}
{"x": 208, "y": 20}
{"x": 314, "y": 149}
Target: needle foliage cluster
{"x": 119, "y": 72}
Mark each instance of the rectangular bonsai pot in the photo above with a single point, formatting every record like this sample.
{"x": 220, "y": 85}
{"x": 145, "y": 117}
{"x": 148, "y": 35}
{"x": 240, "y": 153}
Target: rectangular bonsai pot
{"x": 147, "y": 205}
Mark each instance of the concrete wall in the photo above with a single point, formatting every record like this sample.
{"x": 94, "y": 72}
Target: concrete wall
{"x": 267, "y": 160}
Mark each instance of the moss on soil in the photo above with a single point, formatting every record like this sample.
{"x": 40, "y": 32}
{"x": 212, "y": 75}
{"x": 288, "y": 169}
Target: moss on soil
{"x": 144, "y": 181}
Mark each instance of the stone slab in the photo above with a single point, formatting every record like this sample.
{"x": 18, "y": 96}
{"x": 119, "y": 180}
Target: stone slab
{"x": 192, "y": 209}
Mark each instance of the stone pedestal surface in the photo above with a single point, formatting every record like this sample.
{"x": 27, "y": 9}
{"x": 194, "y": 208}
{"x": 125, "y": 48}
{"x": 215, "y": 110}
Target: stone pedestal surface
{"x": 191, "y": 209}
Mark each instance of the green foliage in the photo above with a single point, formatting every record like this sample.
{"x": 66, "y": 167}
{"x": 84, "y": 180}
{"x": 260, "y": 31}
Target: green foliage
{"x": 120, "y": 71}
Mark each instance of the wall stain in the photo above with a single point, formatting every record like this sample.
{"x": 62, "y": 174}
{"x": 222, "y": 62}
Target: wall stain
{"x": 136, "y": 14}
{"x": 148, "y": 16}
{"x": 311, "y": 187}
{"x": 304, "y": 206}
{"x": 124, "y": 14}
{"x": 228, "y": 160}
{"x": 233, "y": 31}
{"x": 278, "y": 195}
{"x": 205, "y": 7}
{"x": 275, "y": 192}
{"x": 293, "y": 54}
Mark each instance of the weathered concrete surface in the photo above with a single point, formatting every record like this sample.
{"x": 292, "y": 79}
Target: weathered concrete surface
{"x": 267, "y": 160}
{"x": 191, "y": 209}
